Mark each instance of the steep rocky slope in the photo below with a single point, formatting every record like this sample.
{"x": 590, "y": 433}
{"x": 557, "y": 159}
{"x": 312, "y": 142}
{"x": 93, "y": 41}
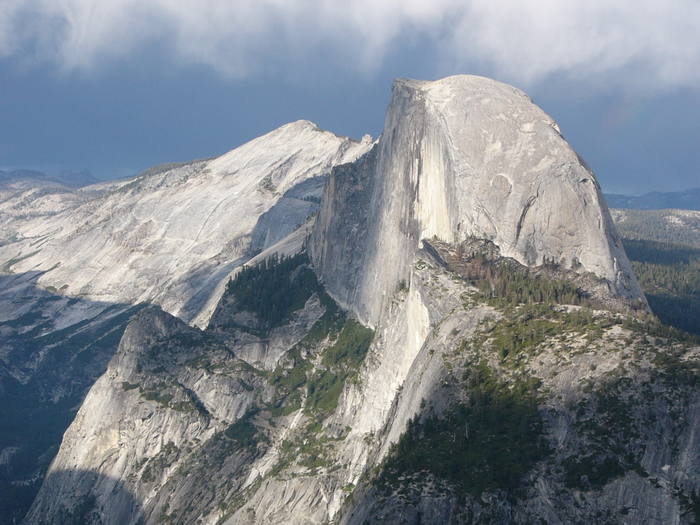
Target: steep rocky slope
{"x": 547, "y": 414}
{"x": 169, "y": 236}
{"x": 77, "y": 263}
{"x": 516, "y": 411}
{"x": 464, "y": 342}
{"x": 463, "y": 157}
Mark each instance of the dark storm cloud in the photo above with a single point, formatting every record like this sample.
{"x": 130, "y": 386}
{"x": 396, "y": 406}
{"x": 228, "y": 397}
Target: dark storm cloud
{"x": 520, "y": 39}
{"x": 121, "y": 84}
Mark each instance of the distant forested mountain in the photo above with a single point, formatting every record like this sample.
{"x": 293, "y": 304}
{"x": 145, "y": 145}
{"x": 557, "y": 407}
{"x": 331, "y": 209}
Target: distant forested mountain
{"x": 664, "y": 248}
{"x": 670, "y": 276}
{"x": 674, "y": 226}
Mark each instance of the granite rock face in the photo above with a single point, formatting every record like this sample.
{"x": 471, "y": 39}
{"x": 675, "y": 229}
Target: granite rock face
{"x": 75, "y": 264}
{"x": 231, "y": 425}
{"x": 171, "y": 235}
{"x": 344, "y": 384}
{"x": 463, "y": 157}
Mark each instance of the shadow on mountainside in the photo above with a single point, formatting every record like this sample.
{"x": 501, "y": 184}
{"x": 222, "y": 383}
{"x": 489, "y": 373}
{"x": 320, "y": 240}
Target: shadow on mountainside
{"x": 199, "y": 284}
{"x": 52, "y": 349}
{"x": 515, "y": 452}
{"x": 70, "y": 497}
{"x": 287, "y": 215}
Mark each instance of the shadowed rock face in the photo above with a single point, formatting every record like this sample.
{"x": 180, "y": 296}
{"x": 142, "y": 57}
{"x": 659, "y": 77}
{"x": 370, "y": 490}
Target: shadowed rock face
{"x": 76, "y": 263}
{"x": 171, "y": 235}
{"x": 303, "y": 422}
{"x": 80, "y": 506}
{"x": 52, "y": 349}
{"x": 463, "y": 157}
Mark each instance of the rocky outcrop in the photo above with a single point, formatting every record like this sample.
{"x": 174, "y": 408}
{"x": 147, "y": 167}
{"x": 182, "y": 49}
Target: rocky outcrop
{"x": 171, "y": 235}
{"x": 612, "y": 408}
{"x": 451, "y": 365}
{"x": 77, "y": 263}
{"x": 463, "y": 157}
{"x": 139, "y": 410}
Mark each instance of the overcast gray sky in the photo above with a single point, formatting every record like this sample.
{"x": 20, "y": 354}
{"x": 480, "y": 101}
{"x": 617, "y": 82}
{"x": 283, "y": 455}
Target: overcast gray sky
{"x": 118, "y": 85}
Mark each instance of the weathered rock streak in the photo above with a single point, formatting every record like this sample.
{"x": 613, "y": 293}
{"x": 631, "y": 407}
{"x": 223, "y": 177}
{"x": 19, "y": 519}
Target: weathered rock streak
{"x": 462, "y": 157}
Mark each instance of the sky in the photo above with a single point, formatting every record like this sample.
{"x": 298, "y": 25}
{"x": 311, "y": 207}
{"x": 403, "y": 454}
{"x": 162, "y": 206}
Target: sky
{"x": 116, "y": 86}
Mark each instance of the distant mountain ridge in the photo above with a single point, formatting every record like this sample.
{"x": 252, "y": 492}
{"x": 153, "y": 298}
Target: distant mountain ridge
{"x": 71, "y": 179}
{"x": 437, "y": 351}
{"x": 683, "y": 200}
{"x": 668, "y": 225}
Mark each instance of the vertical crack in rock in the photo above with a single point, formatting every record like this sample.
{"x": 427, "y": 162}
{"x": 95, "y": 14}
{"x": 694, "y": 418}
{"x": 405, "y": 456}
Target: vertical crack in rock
{"x": 521, "y": 219}
{"x": 288, "y": 406}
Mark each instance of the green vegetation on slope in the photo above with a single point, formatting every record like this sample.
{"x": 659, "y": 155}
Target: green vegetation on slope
{"x": 244, "y": 432}
{"x": 494, "y": 433}
{"x": 312, "y": 374}
{"x": 488, "y": 442}
{"x": 605, "y": 421}
{"x": 316, "y": 383}
{"x": 522, "y": 329}
{"x": 504, "y": 281}
{"x": 342, "y": 342}
{"x": 670, "y": 277}
{"x": 514, "y": 284}
{"x": 323, "y": 383}
{"x": 274, "y": 288}
{"x": 659, "y": 225}
{"x": 339, "y": 362}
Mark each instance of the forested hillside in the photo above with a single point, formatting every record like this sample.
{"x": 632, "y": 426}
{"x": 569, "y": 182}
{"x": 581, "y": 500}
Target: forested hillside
{"x": 670, "y": 276}
{"x": 674, "y": 226}
{"x": 664, "y": 248}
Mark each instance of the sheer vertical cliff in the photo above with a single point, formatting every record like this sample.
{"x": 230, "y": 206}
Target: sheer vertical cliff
{"x": 75, "y": 264}
{"x": 457, "y": 343}
{"x": 463, "y": 157}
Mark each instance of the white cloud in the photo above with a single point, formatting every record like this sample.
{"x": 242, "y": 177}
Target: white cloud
{"x": 8, "y": 11}
{"x": 656, "y": 42}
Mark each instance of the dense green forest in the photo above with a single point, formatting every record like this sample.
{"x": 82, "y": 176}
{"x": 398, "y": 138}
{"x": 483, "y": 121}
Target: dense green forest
{"x": 664, "y": 247}
{"x": 274, "y": 288}
{"x": 670, "y": 276}
{"x": 488, "y": 442}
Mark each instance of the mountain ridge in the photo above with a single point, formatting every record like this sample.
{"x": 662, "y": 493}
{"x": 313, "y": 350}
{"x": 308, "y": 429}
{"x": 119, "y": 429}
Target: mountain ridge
{"x": 75, "y": 264}
{"x": 443, "y": 347}
{"x": 306, "y": 152}
{"x": 657, "y": 200}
